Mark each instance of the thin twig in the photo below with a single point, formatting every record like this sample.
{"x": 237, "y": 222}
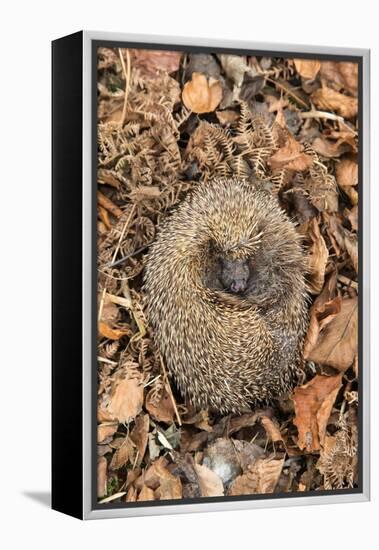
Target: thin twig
{"x": 127, "y": 83}
{"x": 327, "y": 116}
{"x": 165, "y": 377}
{"x": 128, "y": 256}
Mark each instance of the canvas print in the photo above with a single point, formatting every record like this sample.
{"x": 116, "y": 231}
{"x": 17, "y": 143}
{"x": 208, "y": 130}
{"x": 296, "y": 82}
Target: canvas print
{"x": 227, "y": 275}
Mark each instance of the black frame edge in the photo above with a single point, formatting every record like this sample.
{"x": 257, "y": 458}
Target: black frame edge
{"x": 67, "y": 364}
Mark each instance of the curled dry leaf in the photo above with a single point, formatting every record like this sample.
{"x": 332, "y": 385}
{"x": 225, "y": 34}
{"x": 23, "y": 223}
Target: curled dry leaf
{"x": 201, "y": 95}
{"x": 271, "y": 429}
{"x": 307, "y": 68}
{"x": 235, "y": 67}
{"x": 347, "y": 178}
{"x": 352, "y": 216}
{"x": 261, "y": 477}
{"x": 162, "y": 410}
{"x": 340, "y": 75}
{"x": 318, "y": 258}
{"x": 127, "y": 399}
{"x": 313, "y": 405}
{"x": 222, "y": 458}
{"x": 329, "y": 100}
{"x": 139, "y": 435}
{"x": 210, "y": 483}
{"x": 162, "y": 481}
{"x": 106, "y": 430}
{"x": 343, "y": 238}
{"x": 347, "y": 173}
{"x": 322, "y": 313}
{"x": 336, "y": 344}
{"x": 151, "y": 62}
{"x": 122, "y": 455}
{"x": 111, "y": 333}
{"x": 291, "y": 156}
{"x": 146, "y": 494}
{"x": 101, "y": 477}
{"x": 335, "y": 144}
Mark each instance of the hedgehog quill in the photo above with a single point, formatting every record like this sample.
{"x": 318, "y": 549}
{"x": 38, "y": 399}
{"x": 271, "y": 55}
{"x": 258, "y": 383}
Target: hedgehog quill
{"x": 226, "y": 296}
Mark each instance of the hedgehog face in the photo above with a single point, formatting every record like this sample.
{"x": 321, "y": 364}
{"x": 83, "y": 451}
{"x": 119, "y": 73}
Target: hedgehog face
{"x": 234, "y": 274}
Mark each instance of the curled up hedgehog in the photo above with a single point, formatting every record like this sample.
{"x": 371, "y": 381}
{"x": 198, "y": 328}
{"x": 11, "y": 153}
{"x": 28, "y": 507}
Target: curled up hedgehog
{"x": 226, "y": 296}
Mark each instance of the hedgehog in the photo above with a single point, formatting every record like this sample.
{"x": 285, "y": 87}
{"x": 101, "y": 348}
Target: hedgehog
{"x": 225, "y": 296}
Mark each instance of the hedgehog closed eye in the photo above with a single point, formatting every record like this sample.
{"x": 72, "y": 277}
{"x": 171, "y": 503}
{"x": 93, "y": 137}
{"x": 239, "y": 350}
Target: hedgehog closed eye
{"x": 226, "y": 307}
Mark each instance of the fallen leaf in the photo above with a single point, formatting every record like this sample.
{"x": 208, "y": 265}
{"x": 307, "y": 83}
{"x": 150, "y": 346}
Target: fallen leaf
{"x": 313, "y": 405}
{"x": 151, "y": 62}
{"x": 126, "y": 400}
{"x": 334, "y": 144}
{"x": 227, "y": 117}
{"x": 111, "y": 333}
{"x": 106, "y": 430}
{"x": 165, "y": 484}
{"x": 235, "y": 67}
{"x": 139, "y": 436}
{"x": 210, "y": 484}
{"x": 146, "y": 494}
{"x": 318, "y": 258}
{"x": 271, "y": 429}
{"x": 101, "y": 477}
{"x": 122, "y": 455}
{"x": 329, "y": 100}
{"x": 347, "y": 173}
{"x": 337, "y": 341}
{"x": 352, "y": 216}
{"x": 261, "y": 478}
{"x": 221, "y": 457}
{"x": 321, "y": 314}
{"x": 343, "y": 238}
{"x": 291, "y": 156}
{"x": 340, "y": 75}
{"x": 307, "y": 68}
{"x": 201, "y": 95}
{"x": 162, "y": 410}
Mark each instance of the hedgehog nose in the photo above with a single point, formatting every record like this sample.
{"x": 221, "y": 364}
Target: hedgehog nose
{"x": 237, "y": 286}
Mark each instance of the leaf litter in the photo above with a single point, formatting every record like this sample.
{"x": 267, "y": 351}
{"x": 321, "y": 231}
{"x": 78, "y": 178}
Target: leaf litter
{"x": 168, "y": 122}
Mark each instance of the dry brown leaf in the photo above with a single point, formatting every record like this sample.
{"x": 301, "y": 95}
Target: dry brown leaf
{"x": 150, "y": 62}
{"x": 227, "y": 117}
{"x": 271, "y": 429}
{"x": 101, "y": 477}
{"x": 322, "y": 312}
{"x": 122, "y": 455}
{"x": 201, "y": 95}
{"x": 126, "y": 400}
{"x": 343, "y": 238}
{"x": 335, "y": 144}
{"x": 329, "y": 100}
{"x": 341, "y": 75}
{"x": 163, "y": 410}
{"x": 337, "y": 342}
{"x": 139, "y": 436}
{"x": 210, "y": 483}
{"x": 313, "y": 405}
{"x": 106, "y": 203}
{"x": 352, "y": 216}
{"x": 106, "y": 430}
{"x": 347, "y": 173}
{"x": 262, "y": 477}
{"x": 170, "y": 487}
{"x": 146, "y": 494}
{"x": 291, "y": 156}
{"x": 154, "y": 472}
{"x": 307, "y": 68}
{"x": 318, "y": 258}
{"x": 111, "y": 333}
